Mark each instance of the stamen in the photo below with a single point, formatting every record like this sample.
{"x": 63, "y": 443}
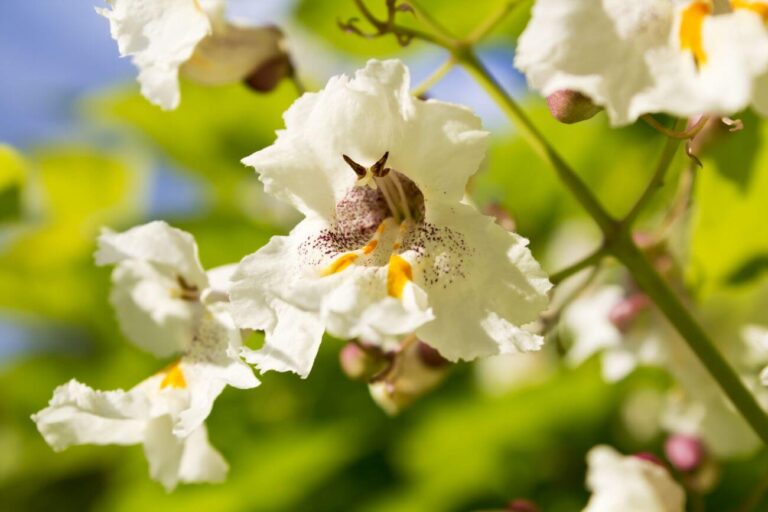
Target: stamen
{"x": 691, "y": 26}
{"x": 174, "y": 377}
{"x": 403, "y": 198}
{"x": 383, "y": 184}
{"x": 359, "y": 169}
{"x": 378, "y": 169}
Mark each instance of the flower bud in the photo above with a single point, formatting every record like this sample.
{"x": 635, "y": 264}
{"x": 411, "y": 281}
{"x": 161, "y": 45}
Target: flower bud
{"x": 627, "y": 310}
{"x": 649, "y": 457}
{"x": 519, "y": 505}
{"x": 415, "y": 371}
{"x": 570, "y": 107}
{"x": 255, "y": 55}
{"x": 685, "y": 453}
{"x": 362, "y": 362}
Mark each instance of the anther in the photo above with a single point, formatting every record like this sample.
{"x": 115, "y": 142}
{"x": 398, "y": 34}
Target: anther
{"x": 378, "y": 168}
{"x": 359, "y": 169}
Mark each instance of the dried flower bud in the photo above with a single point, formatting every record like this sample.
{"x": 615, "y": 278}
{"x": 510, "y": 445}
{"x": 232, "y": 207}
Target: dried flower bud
{"x": 363, "y": 362}
{"x": 571, "y": 106}
{"x": 685, "y": 453}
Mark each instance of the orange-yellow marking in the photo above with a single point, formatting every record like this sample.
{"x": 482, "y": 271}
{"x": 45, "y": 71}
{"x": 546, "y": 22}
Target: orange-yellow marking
{"x": 399, "y": 273}
{"x": 691, "y": 30}
{"x": 761, "y": 8}
{"x": 370, "y": 246}
{"x": 339, "y": 264}
{"x": 174, "y": 377}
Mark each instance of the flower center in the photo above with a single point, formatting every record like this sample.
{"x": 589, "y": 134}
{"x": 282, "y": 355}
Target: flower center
{"x": 692, "y": 22}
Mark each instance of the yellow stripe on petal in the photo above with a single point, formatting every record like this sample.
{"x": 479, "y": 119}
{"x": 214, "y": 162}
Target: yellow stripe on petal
{"x": 761, "y": 8}
{"x": 174, "y": 377}
{"x": 399, "y": 273}
{"x": 370, "y": 247}
{"x": 339, "y": 264}
{"x": 691, "y": 27}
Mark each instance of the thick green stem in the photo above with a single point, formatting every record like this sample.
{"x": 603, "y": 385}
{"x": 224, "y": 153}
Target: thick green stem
{"x": 697, "y": 339}
{"x": 538, "y": 142}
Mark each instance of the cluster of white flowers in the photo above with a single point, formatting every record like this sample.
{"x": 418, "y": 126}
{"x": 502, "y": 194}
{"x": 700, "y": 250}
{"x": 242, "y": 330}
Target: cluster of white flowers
{"x": 389, "y": 247}
{"x": 634, "y": 57}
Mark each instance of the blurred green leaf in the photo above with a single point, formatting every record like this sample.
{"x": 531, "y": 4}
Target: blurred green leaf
{"x": 12, "y": 178}
{"x": 729, "y": 235}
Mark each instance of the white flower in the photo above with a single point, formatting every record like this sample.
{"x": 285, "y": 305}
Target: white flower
{"x": 387, "y": 247}
{"x": 630, "y": 484}
{"x": 590, "y": 324}
{"x": 166, "y": 36}
{"x": 165, "y": 413}
{"x": 633, "y": 57}
{"x": 160, "y": 290}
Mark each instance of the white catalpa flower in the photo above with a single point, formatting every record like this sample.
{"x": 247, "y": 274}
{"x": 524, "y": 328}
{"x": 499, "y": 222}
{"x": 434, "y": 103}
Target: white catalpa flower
{"x": 160, "y": 290}
{"x": 165, "y": 413}
{"x": 164, "y": 37}
{"x": 603, "y": 320}
{"x": 387, "y": 246}
{"x": 630, "y": 484}
{"x": 633, "y": 57}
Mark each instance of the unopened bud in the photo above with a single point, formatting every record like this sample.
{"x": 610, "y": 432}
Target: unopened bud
{"x": 685, "y": 453}
{"x": 362, "y": 362}
{"x": 570, "y": 107}
{"x": 255, "y": 55}
{"x": 502, "y": 216}
{"x": 649, "y": 457}
{"x": 416, "y": 370}
{"x": 429, "y": 356}
{"x": 627, "y": 310}
{"x": 522, "y": 506}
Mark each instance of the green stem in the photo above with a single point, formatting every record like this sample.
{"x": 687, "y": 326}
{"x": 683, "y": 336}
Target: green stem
{"x": 657, "y": 180}
{"x": 697, "y": 339}
{"x": 538, "y": 142}
{"x": 492, "y": 22}
{"x": 586, "y": 262}
{"x": 435, "y": 77}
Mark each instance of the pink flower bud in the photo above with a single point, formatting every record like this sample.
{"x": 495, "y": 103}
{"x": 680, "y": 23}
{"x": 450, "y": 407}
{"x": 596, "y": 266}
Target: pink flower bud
{"x": 685, "y": 453}
{"x": 362, "y": 362}
{"x": 627, "y": 310}
{"x": 519, "y": 505}
{"x": 571, "y": 107}
{"x": 649, "y": 457}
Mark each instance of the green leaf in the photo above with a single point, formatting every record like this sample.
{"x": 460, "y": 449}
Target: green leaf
{"x": 12, "y": 179}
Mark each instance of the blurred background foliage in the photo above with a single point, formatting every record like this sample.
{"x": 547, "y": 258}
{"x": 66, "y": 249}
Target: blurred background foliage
{"x": 323, "y": 445}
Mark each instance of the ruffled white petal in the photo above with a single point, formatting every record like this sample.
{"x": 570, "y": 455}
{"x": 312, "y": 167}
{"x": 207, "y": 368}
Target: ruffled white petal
{"x": 156, "y": 243}
{"x": 626, "y": 56}
{"x": 435, "y": 144}
{"x": 189, "y": 460}
{"x": 159, "y": 35}
{"x": 150, "y": 311}
{"x": 495, "y": 268}
{"x": 79, "y": 415}
{"x": 620, "y": 482}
